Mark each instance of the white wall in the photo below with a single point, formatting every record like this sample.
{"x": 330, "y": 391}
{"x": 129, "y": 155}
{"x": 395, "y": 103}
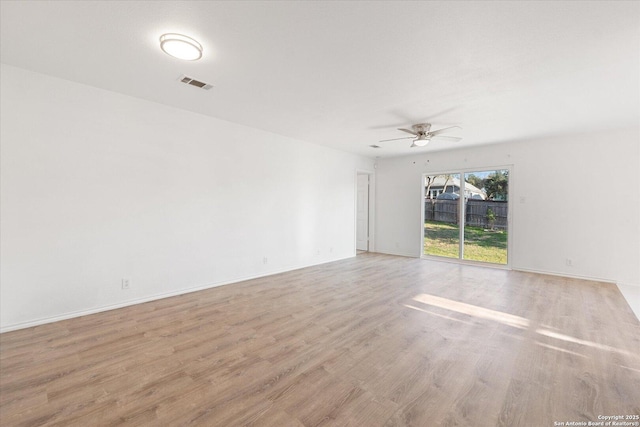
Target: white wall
{"x": 581, "y": 201}
{"x": 97, "y": 186}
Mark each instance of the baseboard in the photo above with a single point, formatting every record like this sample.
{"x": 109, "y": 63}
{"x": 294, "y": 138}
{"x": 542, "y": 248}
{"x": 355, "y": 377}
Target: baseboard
{"x": 404, "y": 254}
{"x": 79, "y": 313}
{"x": 567, "y": 275}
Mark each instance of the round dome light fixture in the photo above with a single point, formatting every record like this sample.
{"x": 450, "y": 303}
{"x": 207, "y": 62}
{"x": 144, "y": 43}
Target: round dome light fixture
{"x": 421, "y": 141}
{"x": 180, "y": 46}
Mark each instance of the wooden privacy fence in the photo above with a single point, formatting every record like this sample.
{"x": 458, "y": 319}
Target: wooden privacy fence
{"x": 475, "y": 215}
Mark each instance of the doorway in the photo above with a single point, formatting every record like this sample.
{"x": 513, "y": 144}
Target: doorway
{"x": 466, "y": 215}
{"x": 363, "y": 218}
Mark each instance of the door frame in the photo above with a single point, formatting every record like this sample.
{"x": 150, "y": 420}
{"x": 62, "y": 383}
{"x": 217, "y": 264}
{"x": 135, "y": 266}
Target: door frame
{"x": 370, "y": 208}
{"x": 460, "y": 260}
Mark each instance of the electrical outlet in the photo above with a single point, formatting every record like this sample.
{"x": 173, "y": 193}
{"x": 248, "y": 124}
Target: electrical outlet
{"x": 569, "y": 262}
{"x": 126, "y": 283}
{"x": 265, "y": 260}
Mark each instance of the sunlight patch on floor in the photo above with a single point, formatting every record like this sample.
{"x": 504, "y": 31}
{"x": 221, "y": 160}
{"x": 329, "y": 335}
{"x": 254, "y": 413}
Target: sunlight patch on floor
{"x": 508, "y": 319}
{"x": 436, "y": 314}
{"x": 552, "y": 347}
{"x": 473, "y": 310}
{"x": 575, "y": 340}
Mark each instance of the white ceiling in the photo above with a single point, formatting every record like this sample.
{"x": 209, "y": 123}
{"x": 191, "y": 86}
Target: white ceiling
{"x": 346, "y": 74}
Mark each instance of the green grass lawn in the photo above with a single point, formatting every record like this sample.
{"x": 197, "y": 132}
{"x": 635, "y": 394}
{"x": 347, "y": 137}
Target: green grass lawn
{"x": 441, "y": 239}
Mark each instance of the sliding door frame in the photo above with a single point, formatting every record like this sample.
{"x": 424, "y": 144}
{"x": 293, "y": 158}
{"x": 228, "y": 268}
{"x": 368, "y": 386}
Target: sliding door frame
{"x": 461, "y": 205}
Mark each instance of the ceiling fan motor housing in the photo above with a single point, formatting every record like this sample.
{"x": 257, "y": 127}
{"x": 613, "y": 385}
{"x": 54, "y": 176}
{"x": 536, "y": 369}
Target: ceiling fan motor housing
{"x": 422, "y": 128}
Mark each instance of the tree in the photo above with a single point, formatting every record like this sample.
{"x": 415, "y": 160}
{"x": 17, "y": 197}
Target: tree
{"x": 497, "y": 185}
{"x": 427, "y": 190}
{"x": 476, "y": 181}
{"x": 491, "y": 217}
{"x": 446, "y": 180}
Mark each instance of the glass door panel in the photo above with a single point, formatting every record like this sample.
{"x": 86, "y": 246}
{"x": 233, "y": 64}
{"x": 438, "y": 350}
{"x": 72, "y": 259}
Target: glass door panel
{"x": 486, "y": 206}
{"x": 442, "y": 215}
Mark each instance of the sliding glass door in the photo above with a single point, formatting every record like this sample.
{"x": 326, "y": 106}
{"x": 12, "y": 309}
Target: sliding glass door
{"x": 466, "y": 215}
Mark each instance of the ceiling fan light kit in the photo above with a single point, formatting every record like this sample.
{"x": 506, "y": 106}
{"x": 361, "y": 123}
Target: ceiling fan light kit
{"x": 421, "y": 141}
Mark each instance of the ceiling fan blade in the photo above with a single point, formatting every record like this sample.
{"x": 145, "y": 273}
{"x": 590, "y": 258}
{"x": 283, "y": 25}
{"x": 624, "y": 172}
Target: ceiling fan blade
{"x": 439, "y": 131}
{"x": 447, "y": 138}
{"x": 396, "y": 139}
{"x": 408, "y": 131}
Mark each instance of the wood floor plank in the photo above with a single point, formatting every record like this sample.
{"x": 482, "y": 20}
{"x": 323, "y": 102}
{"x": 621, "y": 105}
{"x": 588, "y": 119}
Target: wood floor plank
{"x": 374, "y": 340}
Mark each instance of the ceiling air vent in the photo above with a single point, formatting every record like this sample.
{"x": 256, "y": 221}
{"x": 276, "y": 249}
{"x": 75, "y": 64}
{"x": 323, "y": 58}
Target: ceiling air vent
{"x": 196, "y": 83}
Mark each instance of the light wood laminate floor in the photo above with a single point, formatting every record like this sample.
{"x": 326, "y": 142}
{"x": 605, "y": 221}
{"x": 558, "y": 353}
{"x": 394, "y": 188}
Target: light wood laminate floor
{"x": 370, "y": 341}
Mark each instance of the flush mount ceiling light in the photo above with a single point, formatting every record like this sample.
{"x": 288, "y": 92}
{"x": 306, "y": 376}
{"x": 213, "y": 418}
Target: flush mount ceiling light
{"x": 180, "y": 46}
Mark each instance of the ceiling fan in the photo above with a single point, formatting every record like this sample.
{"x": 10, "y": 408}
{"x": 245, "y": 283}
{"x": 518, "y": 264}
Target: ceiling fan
{"x": 422, "y": 134}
